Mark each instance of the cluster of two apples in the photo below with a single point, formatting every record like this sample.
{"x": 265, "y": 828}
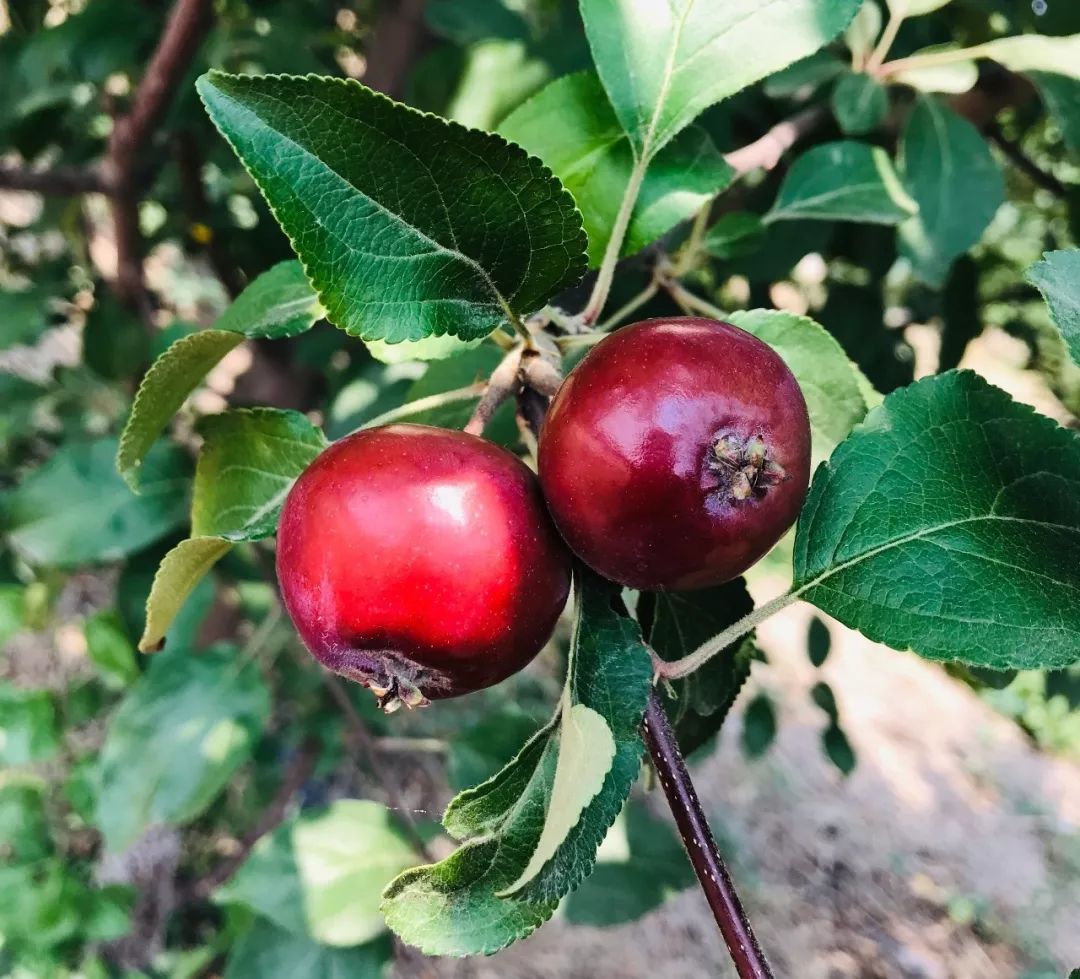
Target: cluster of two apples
{"x": 426, "y": 563}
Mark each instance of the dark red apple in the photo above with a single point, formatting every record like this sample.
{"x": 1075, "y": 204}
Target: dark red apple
{"x": 676, "y": 454}
{"x": 420, "y": 562}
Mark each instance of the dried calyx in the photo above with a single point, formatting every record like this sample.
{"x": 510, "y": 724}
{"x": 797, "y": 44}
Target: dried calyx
{"x": 743, "y": 466}
{"x": 394, "y": 681}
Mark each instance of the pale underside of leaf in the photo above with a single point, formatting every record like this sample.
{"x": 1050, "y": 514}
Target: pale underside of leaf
{"x": 180, "y": 571}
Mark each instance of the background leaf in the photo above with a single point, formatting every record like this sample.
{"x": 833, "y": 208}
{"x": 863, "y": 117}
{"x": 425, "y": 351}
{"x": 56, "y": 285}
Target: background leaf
{"x": 949, "y": 171}
{"x": 949, "y": 523}
{"x": 268, "y": 952}
{"x": 76, "y": 510}
{"x": 859, "y": 103}
{"x": 845, "y": 181}
{"x": 176, "y": 739}
{"x": 179, "y": 574}
{"x": 480, "y": 226}
{"x": 28, "y": 726}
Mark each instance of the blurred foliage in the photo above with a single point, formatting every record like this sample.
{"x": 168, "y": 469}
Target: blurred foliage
{"x": 98, "y": 743}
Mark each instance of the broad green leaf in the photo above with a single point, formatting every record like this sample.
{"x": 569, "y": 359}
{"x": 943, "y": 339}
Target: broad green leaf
{"x": 860, "y": 103}
{"x": 802, "y": 79}
{"x": 164, "y": 388}
{"x": 640, "y": 865}
{"x": 1061, "y": 96}
{"x": 1057, "y": 277}
{"x": 178, "y": 736}
{"x": 571, "y": 126}
{"x": 759, "y": 726}
{"x": 734, "y": 234}
{"x": 453, "y": 908}
{"x": 76, "y": 510}
{"x": 949, "y": 523}
{"x": 949, "y": 171}
{"x": 408, "y": 225}
{"x": 181, "y": 570}
{"x": 498, "y": 76}
{"x": 949, "y": 76}
{"x": 586, "y": 752}
{"x": 830, "y": 382}
{"x": 915, "y": 8}
{"x": 109, "y": 648}
{"x": 323, "y": 874}
{"x": 23, "y": 316}
{"x": 843, "y": 181}
{"x": 28, "y": 726}
{"x": 682, "y": 621}
{"x": 277, "y": 304}
{"x": 249, "y": 460}
{"x": 862, "y": 33}
{"x": 269, "y": 952}
{"x": 662, "y": 64}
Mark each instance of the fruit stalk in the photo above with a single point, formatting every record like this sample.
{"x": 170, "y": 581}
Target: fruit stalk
{"x": 700, "y": 846}
{"x": 683, "y": 800}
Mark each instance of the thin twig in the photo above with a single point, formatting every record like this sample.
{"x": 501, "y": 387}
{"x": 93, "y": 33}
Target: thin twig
{"x": 700, "y": 845}
{"x": 299, "y": 770}
{"x": 500, "y": 387}
{"x": 1023, "y": 162}
{"x": 366, "y": 742}
{"x": 56, "y": 181}
{"x": 897, "y": 13}
{"x": 682, "y": 798}
{"x": 631, "y": 307}
{"x": 767, "y": 151}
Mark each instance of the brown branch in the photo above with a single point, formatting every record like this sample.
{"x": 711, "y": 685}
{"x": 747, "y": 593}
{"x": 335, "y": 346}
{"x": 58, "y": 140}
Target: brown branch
{"x": 394, "y": 44}
{"x": 500, "y": 387}
{"x": 766, "y": 151}
{"x": 362, "y": 738}
{"x": 187, "y": 25}
{"x": 296, "y": 775}
{"x": 56, "y": 182}
{"x": 701, "y": 846}
{"x": 1023, "y": 162}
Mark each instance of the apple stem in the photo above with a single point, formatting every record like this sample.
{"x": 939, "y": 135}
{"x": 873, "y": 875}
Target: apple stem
{"x": 700, "y": 846}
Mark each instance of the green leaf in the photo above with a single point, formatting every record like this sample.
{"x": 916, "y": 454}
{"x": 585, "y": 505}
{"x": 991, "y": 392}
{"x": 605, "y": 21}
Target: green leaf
{"x": 830, "y": 382}
{"x": 180, "y": 571}
{"x": 759, "y": 726}
{"x": 109, "y": 648}
{"x": 949, "y": 523}
{"x": 12, "y": 608}
{"x": 1057, "y": 277}
{"x": 180, "y": 733}
{"x": 862, "y": 33}
{"x": 24, "y": 826}
{"x": 28, "y": 727}
{"x": 818, "y": 642}
{"x": 480, "y": 751}
{"x": 838, "y": 749}
{"x": 430, "y": 348}
{"x": 640, "y": 865}
{"x": 860, "y": 103}
{"x": 571, "y": 126}
{"x": 1061, "y": 96}
{"x": 277, "y": 304}
{"x": 408, "y": 225}
{"x": 679, "y": 622}
{"x": 822, "y": 695}
{"x": 844, "y": 181}
{"x": 115, "y": 342}
{"x": 950, "y": 77}
{"x": 453, "y": 907}
{"x": 76, "y": 510}
{"x": 249, "y": 461}
{"x": 664, "y": 63}
{"x": 323, "y": 874}
{"x": 949, "y": 171}
{"x": 1035, "y": 52}
{"x": 23, "y": 316}
{"x": 734, "y": 235}
{"x": 269, "y": 952}
{"x": 164, "y": 388}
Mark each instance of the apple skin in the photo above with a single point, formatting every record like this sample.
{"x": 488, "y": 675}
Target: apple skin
{"x": 676, "y": 454}
{"x": 420, "y": 562}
